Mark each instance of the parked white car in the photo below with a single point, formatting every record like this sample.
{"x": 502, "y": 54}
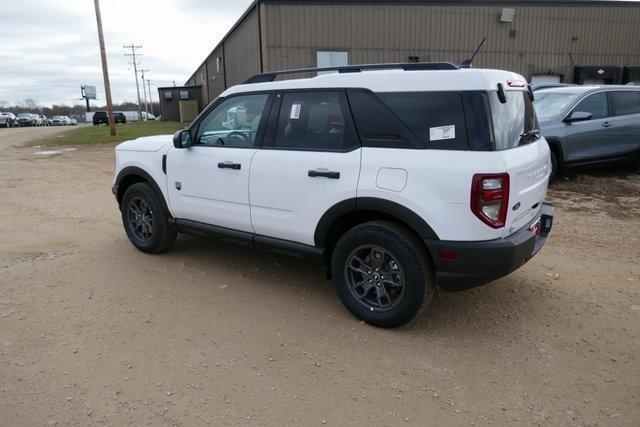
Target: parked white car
{"x": 8, "y": 120}
{"x": 396, "y": 180}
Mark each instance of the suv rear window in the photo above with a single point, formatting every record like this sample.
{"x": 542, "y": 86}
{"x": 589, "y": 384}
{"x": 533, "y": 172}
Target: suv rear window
{"x": 513, "y": 119}
{"x": 435, "y": 118}
{"x": 314, "y": 121}
{"x": 625, "y": 102}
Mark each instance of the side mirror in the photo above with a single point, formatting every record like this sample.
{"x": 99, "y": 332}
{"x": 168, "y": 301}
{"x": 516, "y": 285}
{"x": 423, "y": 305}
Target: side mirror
{"x": 578, "y": 116}
{"x": 182, "y": 139}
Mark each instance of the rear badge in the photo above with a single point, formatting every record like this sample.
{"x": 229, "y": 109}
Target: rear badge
{"x": 516, "y": 206}
{"x": 178, "y": 185}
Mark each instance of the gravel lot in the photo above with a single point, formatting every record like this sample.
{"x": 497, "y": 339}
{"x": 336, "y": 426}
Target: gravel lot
{"x": 93, "y": 331}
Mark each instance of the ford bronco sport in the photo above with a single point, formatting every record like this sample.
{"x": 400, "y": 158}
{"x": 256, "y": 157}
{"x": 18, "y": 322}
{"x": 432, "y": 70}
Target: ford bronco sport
{"x": 399, "y": 178}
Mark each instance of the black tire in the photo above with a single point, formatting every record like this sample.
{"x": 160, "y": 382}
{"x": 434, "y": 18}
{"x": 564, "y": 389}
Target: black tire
{"x": 401, "y": 253}
{"x": 159, "y": 234}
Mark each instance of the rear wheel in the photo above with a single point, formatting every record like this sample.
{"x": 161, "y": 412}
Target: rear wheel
{"x": 382, "y": 274}
{"x": 145, "y": 220}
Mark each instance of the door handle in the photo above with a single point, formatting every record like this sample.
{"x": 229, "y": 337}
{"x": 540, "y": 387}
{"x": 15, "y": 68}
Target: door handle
{"x": 229, "y": 165}
{"x": 324, "y": 174}
{"x": 607, "y": 124}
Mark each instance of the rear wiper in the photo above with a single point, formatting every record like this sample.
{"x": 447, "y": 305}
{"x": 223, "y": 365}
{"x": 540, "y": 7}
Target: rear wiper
{"x": 528, "y": 136}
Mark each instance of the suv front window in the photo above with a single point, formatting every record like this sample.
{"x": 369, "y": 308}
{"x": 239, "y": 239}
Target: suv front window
{"x": 514, "y": 121}
{"x": 234, "y": 122}
{"x": 595, "y": 104}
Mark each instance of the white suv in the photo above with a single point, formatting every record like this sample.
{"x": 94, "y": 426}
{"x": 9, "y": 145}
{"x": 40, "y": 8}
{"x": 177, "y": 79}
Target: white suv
{"x": 397, "y": 177}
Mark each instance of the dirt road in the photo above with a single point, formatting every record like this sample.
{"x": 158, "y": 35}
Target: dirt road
{"x": 93, "y": 331}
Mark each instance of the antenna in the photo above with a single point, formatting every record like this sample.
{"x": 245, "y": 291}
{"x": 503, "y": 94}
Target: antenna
{"x": 467, "y": 62}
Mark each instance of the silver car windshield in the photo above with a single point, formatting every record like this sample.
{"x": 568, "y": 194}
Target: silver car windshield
{"x": 550, "y": 104}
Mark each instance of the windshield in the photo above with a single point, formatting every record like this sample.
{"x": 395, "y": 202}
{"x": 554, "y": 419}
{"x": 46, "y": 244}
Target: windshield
{"x": 24, "y": 115}
{"x": 549, "y": 104}
{"x": 514, "y": 122}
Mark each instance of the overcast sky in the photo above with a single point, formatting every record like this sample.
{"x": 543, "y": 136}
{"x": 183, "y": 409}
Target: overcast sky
{"x": 49, "y": 48}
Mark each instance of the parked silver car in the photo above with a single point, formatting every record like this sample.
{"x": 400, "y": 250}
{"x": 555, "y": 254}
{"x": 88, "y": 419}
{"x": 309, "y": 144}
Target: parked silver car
{"x": 8, "y": 120}
{"x": 590, "y": 125}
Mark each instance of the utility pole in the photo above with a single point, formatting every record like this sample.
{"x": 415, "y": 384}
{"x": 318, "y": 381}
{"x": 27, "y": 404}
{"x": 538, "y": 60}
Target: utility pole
{"x": 135, "y": 71}
{"x": 105, "y": 70}
{"x": 144, "y": 91}
{"x": 150, "y": 97}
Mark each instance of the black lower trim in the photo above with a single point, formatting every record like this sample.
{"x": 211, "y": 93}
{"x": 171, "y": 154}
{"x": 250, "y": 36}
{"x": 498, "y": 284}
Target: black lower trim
{"x": 372, "y": 204}
{"x": 133, "y": 172}
{"x": 479, "y": 263}
{"x": 267, "y": 244}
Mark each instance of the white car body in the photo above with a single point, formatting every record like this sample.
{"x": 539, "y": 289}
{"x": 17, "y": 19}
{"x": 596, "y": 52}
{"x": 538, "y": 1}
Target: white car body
{"x": 273, "y": 195}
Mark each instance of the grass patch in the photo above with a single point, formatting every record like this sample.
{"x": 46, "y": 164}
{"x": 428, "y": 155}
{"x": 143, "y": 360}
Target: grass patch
{"x": 100, "y": 134}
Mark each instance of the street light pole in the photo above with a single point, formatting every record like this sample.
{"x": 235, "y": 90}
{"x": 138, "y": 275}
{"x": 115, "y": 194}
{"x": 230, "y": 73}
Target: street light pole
{"x": 105, "y": 70}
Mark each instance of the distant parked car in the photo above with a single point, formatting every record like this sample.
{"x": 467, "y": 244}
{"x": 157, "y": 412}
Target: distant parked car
{"x": 46, "y": 121}
{"x": 57, "y": 121}
{"x": 100, "y": 117}
{"x": 549, "y": 86}
{"x": 8, "y": 120}
{"x": 26, "y": 119}
{"x": 37, "y": 119}
{"x": 73, "y": 122}
{"x": 590, "y": 125}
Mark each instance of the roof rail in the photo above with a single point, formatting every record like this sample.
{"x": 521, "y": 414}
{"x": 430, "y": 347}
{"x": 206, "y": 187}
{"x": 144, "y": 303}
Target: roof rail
{"x": 410, "y": 66}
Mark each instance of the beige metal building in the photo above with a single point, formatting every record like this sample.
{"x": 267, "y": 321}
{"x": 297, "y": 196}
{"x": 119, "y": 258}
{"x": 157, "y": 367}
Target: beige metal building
{"x": 566, "y": 40}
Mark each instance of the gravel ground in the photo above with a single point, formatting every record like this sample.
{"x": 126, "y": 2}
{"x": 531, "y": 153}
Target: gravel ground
{"x": 93, "y": 331}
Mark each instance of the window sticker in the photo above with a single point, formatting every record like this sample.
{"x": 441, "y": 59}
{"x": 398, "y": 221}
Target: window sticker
{"x": 295, "y": 111}
{"x": 442, "y": 132}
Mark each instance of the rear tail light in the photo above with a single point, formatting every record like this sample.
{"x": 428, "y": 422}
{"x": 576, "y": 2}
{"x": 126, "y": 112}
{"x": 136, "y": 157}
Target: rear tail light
{"x": 490, "y": 198}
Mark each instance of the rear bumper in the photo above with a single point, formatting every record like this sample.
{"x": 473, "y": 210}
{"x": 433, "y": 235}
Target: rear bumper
{"x": 479, "y": 263}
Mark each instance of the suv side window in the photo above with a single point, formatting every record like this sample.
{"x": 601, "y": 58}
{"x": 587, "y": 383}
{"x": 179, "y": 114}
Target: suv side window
{"x": 435, "y": 118}
{"x": 377, "y": 125}
{"x": 234, "y": 122}
{"x": 625, "y": 102}
{"x": 595, "y": 104}
{"x": 314, "y": 121}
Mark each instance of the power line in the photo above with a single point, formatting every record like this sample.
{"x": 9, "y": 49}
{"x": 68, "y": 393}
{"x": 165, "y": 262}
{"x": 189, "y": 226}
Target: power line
{"x": 135, "y": 71}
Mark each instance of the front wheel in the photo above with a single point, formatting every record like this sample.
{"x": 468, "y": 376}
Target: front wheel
{"x": 382, "y": 274}
{"x": 145, "y": 220}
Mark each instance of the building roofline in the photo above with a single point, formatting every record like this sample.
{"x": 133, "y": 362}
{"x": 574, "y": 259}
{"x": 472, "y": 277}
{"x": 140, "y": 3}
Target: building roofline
{"x": 180, "y": 87}
{"x": 224, "y": 38}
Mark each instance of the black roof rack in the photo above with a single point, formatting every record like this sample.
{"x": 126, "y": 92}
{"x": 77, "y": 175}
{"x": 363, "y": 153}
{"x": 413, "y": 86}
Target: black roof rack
{"x": 410, "y": 66}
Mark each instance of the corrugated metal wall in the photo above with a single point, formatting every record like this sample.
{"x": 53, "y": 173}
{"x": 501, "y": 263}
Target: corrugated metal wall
{"x": 540, "y": 39}
{"x": 215, "y": 72}
{"x": 242, "y": 51}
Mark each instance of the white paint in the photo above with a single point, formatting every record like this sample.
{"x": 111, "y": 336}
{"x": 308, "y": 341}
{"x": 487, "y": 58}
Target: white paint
{"x": 273, "y": 195}
{"x": 545, "y": 79}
